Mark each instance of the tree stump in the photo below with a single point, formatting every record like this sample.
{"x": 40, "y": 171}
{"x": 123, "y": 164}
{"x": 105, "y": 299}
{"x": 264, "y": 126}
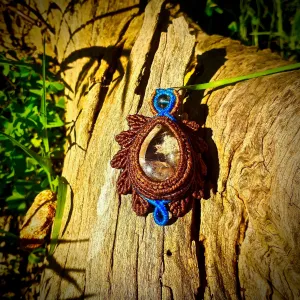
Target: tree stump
{"x": 242, "y": 240}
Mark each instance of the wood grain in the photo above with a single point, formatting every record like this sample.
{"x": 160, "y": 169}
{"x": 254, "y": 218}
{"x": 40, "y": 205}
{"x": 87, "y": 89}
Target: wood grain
{"x": 247, "y": 225}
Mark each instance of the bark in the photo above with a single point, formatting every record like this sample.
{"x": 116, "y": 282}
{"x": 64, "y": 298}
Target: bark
{"x": 242, "y": 240}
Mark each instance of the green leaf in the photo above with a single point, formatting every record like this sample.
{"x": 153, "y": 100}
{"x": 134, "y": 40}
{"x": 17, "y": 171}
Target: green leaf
{"x": 3, "y": 97}
{"x": 30, "y": 164}
{"x": 11, "y": 174}
{"x": 61, "y": 200}
{"x": 20, "y": 189}
{"x": 37, "y": 92}
{"x": 37, "y": 255}
{"x": 29, "y": 121}
{"x": 16, "y": 196}
{"x": 211, "y": 6}
{"x": 219, "y": 10}
{"x": 24, "y": 72}
{"x": 40, "y": 82}
{"x": 45, "y": 183}
{"x": 44, "y": 162}
{"x": 233, "y": 27}
{"x": 19, "y": 131}
{"x": 56, "y": 123}
{"x": 16, "y": 202}
{"x": 61, "y": 103}
{"x": 55, "y": 183}
{"x": 55, "y": 87}
{"x": 218, "y": 83}
{"x": 255, "y": 20}
{"x": 6, "y": 69}
{"x": 208, "y": 11}
{"x": 36, "y": 142}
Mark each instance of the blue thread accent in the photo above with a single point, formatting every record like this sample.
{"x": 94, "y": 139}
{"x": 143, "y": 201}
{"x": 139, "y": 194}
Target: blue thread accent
{"x": 165, "y": 112}
{"x": 160, "y": 214}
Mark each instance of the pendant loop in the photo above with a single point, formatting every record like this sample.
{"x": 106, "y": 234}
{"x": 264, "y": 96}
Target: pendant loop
{"x": 160, "y": 214}
{"x": 165, "y": 102}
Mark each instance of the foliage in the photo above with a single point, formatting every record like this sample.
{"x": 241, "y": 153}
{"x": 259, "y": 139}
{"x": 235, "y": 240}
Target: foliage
{"x": 31, "y": 157}
{"x": 22, "y": 176}
{"x": 271, "y": 24}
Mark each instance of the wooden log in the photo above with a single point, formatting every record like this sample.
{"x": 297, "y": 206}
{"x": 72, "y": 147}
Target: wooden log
{"x": 247, "y": 226}
{"x": 243, "y": 240}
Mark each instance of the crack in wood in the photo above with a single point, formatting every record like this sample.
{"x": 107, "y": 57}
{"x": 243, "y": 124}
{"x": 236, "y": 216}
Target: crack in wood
{"x": 170, "y": 292}
{"x": 137, "y": 268}
{"x": 200, "y": 248}
{"x": 110, "y": 273}
{"x": 145, "y": 74}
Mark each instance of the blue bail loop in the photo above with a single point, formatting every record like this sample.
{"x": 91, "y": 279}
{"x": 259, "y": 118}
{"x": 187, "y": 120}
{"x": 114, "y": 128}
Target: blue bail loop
{"x": 160, "y": 214}
{"x": 165, "y": 111}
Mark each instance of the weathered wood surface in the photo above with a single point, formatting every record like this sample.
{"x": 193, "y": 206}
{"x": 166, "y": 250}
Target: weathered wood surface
{"x": 249, "y": 228}
{"x": 246, "y": 243}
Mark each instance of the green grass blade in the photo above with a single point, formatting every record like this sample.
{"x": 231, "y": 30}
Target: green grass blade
{"x": 44, "y": 162}
{"x": 61, "y": 200}
{"x": 218, "y": 83}
{"x": 43, "y": 105}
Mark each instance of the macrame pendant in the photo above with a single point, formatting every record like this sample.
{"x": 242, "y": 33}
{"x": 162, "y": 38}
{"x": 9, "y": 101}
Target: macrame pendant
{"x": 161, "y": 160}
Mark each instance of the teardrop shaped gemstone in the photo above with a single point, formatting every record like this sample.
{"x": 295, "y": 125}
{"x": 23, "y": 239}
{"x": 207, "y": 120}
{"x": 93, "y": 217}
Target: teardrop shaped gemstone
{"x": 159, "y": 155}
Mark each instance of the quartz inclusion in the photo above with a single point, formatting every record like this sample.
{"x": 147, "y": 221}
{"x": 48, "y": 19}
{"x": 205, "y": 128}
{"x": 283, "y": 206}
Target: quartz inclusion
{"x": 159, "y": 155}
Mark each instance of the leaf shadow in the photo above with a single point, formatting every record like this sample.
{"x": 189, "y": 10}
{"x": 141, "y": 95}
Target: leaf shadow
{"x": 70, "y": 213}
{"x": 95, "y": 54}
{"x": 105, "y": 15}
{"x": 69, "y": 138}
{"x": 64, "y": 273}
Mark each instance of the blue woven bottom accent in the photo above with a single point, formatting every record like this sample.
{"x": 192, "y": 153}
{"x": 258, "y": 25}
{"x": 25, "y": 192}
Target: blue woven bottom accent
{"x": 160, "y": 214}
{"x": 167, "y": 115}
